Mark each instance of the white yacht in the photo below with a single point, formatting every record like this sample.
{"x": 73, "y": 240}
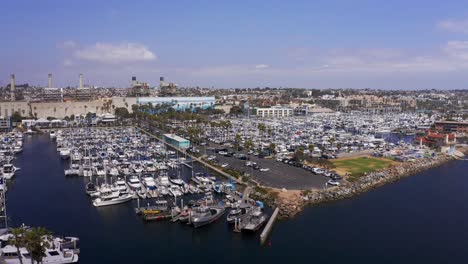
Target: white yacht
{"x": 120, "y": 185}
{"x": 73, "y": 170}
{"x": 134, "y": 183}
{"x": 149, "y": 182}
{"x": 53, "y": 135}
{"x": 113, "y": 171}
{"x": 56, "y": 253}
{"x": 177, "y": 181}
{"x": 150, "y": 167}
{"x": 8, "y": 171}
{"x": 65, "y": 153}
{"x": 111, "y": 200}
{"x": 174, "y": 190}
{"x": 87, "y": 171}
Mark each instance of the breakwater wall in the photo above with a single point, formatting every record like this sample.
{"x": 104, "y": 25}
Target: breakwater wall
{"x": 290, "y": 207}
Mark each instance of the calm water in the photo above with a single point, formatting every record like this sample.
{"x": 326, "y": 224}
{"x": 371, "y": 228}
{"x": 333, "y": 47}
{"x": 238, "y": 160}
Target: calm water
{"x": 420, "y": 219}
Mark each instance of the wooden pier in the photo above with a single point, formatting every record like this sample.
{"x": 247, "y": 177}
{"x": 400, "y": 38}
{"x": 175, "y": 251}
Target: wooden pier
{"x": 266, "y": 231}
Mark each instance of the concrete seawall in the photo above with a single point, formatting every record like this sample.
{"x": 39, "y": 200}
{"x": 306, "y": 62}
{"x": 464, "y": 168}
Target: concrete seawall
{"x": 62, "y": 109}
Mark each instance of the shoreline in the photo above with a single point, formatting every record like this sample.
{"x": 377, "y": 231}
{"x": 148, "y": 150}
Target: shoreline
{"x": 292, "y": 202}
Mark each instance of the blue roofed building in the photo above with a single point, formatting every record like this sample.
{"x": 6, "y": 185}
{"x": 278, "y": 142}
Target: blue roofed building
{"x": 180, "y": 103}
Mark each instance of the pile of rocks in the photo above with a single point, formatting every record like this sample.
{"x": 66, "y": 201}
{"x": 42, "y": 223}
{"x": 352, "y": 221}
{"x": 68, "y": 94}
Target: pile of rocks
{"x": 289, "y": 208}
{"x": 375, "y": 179}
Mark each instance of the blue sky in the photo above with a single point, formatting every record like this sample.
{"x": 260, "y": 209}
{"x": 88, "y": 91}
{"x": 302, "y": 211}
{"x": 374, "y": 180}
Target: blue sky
{"x": 313, "y": 44}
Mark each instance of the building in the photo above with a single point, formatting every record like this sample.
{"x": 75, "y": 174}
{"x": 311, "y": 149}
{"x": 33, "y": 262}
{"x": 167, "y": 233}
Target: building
{"x": 275, "y": 111}
{"x": 451, "y": 126}
{"x": 139, "y": 88}
{"x": 52, "y": 95}
{"x": 176, "y": 141}
{"x": 180, "y": 103}
{"x": 167, "y": 88}
{"x": 437, "y": 139}
{"x": 108, "y": 118}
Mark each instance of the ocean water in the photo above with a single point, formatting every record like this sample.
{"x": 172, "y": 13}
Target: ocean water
{"x": 419, "y": 219}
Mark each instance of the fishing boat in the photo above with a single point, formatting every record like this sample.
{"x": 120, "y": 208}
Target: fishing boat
{"x": 254, "y": 220}
{"x": 206, "y": 215}
{"x": 236, "y": 213}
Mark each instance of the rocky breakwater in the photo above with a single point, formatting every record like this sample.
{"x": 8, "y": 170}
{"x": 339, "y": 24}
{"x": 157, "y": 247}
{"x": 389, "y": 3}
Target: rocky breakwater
{"x": 290, "y": 206}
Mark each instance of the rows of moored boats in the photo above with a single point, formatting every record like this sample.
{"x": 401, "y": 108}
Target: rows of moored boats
{"x": 57, "y": 250}
{"x": 10, "y": 145}
{"x": 123, "y": 164}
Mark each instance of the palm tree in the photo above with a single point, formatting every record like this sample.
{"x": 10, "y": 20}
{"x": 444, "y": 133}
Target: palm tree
{"x": 18, "y": 241}
{"x": 37, "y": 240}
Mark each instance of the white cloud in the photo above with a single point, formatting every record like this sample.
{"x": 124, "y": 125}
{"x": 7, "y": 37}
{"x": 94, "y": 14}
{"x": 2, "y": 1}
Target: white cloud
{"x": 67, "y": 62}
{"x": 115, "y": 53}
{"x": 457, "y": 49}
{"x": 262, "y": 66}
{"x": 459, "y": 26}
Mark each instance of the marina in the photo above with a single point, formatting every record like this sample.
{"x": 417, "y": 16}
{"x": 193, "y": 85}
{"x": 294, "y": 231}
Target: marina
{"x": 69, "y": 211}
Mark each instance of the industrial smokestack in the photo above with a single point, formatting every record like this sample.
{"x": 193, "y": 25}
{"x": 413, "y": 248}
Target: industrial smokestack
{"x": 81, "y": 80}
{"x": 12, "y": 87}
{"x": 50, "y": 80}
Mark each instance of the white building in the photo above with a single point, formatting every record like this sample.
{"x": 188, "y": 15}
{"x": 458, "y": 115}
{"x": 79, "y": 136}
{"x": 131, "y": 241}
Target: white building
{"x": 275, "y": 111}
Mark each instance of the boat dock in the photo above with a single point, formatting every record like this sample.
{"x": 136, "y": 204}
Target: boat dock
{"x": 200, "y": 160}
{"x": 266, "y": 231}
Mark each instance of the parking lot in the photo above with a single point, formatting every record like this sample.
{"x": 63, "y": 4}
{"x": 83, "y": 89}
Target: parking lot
{"x": 280, "y": 175}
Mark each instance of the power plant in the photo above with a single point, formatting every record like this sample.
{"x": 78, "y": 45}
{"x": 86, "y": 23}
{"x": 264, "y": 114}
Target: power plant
{"x": 81, "y": 81}
{"x": 50, "y": 80}
{"x": 12, "y": 87}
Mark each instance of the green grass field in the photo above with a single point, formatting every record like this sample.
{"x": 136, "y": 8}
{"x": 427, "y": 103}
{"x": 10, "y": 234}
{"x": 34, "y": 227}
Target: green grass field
{"x": 360, "y": 165}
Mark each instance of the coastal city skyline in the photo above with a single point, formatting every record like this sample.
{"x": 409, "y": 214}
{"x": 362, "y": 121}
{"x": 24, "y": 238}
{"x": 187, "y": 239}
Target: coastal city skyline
{"x": 333, "y": 44}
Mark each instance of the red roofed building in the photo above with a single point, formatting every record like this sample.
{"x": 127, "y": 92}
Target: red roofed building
{"x": 433, "y": 139}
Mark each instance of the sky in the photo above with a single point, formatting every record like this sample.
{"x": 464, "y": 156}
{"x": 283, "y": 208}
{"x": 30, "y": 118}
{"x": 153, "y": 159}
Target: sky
{"x": 396, "y": 44}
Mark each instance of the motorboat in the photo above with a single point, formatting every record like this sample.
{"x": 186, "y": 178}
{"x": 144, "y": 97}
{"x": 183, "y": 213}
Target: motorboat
{"x": 111, "y": 200}
{"x": 149, "y": 182}
{"x": 134, "y": 183}
{"x": 87, "y": 171}
{"x": 174, "y": 190}
{"x": 113, "y": 171}
{"x": 65, "y": 153}
{"x": 254, "y": 220}
{"x": 206, "y": 215}
{"x": 73, "y": 170}
{"x": 55, "y": 253}
{"x": 120, "y": 185}
{"x": 8, "y": 171}
{"x": 52, "y": 134}
{"x": 236, "y": 213}
{"x": 177, "y": 181}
